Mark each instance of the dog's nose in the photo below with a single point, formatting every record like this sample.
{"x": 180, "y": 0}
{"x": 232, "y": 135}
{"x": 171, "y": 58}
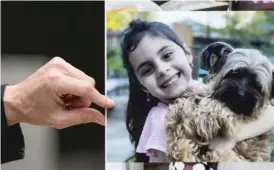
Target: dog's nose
{"x": 241, "y": 92}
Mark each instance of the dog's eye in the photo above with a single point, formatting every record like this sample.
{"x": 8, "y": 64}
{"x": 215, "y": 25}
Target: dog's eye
{"x": 234, "y": 72}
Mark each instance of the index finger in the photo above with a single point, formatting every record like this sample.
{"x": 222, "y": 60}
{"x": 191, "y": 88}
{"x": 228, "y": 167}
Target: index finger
{"x": 86, "y": 92}
{"x": 101, "y": 100}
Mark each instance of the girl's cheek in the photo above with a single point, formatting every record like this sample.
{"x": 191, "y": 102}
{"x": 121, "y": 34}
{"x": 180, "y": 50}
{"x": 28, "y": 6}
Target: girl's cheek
{"x": 148, "y": 83}
{"x": 141, "y": 81}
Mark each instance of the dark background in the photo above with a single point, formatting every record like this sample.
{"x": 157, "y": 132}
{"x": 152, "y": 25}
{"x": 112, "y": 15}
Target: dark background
{"x": 72, "y": 30}
{"x": 251, "y": 6}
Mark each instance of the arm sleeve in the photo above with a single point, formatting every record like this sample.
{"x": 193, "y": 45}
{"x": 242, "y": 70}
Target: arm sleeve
{"x": 12, "y": 139}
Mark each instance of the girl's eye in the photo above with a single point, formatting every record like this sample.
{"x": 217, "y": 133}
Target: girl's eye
{"x": 146, "y": 71}
{"x": 167, "y": 55}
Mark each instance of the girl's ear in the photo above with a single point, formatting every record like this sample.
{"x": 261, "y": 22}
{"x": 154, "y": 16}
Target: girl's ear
{"x": 145, "y": 90}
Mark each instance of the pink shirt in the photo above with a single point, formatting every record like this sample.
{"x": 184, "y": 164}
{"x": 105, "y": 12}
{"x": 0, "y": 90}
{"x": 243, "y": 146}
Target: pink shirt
{"x": 153, "y": 137}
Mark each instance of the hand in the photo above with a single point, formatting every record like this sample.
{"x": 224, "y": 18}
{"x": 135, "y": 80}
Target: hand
{"x": 222, "y": 144}
{"x": 41, "y": 98}
{"x": 196, "y": 86}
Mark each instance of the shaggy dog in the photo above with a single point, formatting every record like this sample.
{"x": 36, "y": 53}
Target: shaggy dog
{"x": 239, "y": 91}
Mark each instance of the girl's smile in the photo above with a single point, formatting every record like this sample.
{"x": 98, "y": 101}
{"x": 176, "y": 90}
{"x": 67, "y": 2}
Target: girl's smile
{"x": 158, "y": 64}
{"x": 170, "y": 81}
{"x": 161, "y": 67}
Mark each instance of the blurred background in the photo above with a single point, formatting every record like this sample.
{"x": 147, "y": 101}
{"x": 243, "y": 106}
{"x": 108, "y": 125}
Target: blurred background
{"x": 31, "y": 34}
{"x": 194, "y": 5}
{"x": 246, "y": 29}
{"x": 165, "y": 166}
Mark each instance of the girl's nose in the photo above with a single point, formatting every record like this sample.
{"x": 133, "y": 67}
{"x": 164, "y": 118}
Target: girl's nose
{"x": 163, "y": 69}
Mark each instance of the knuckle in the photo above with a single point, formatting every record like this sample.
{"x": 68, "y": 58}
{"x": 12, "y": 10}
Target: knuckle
{"x": 57, "y": 62}
{"x": 89, "y": 87}
{"x": 52, "y": 75}
{"x": 92, "y": 81}
{"x": 57, "y": 59}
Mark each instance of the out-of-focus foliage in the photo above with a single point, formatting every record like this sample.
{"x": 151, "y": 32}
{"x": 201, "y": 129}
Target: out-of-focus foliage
{"x": 119, "y": 19}
{"x": 269, "y": 17}
{"x": 256, "y": 27}
{"x": 114, "y": 62}
{"x": 240, "y": 30}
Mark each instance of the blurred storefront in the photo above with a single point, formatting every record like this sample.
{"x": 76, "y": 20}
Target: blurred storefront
{"x": 195, "y": 5}
{"x": 257, "y": 5}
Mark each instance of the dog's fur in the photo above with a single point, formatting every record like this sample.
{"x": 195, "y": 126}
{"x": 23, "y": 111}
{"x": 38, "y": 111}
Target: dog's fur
{"x": 220, "y": 108}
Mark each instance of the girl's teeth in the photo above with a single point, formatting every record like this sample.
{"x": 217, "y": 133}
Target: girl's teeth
{"x": 171, "y": 81}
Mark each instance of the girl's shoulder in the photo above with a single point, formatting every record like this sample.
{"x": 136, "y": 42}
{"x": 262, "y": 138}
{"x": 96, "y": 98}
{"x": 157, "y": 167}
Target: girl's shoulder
{"x": 153, "y": 133}
{"x": 157, "y": 110}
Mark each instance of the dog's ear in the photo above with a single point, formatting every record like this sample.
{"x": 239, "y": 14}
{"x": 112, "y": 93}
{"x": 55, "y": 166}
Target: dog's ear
{"x": 214, "y": 55}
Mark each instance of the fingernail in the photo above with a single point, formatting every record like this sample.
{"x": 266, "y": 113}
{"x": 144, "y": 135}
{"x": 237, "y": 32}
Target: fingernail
{"x": 111, "y": 102}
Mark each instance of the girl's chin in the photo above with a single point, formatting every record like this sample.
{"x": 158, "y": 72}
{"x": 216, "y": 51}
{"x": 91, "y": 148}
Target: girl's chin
{"x": 173, "y": 96}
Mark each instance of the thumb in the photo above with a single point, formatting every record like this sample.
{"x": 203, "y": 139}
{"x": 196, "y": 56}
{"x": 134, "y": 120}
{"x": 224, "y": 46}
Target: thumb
{"x": 83, "y": 115}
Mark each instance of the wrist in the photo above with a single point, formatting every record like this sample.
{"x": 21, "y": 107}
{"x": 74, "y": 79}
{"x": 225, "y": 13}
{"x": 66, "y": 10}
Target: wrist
{"x": 11, "y": 101}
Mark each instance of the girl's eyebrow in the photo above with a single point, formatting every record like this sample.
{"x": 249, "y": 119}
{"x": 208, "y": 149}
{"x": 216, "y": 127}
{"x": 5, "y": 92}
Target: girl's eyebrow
{"x": 162, "y": 49}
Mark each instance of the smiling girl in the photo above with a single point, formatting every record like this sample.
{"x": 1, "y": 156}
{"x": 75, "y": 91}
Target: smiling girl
{"x": 159, "y": 67}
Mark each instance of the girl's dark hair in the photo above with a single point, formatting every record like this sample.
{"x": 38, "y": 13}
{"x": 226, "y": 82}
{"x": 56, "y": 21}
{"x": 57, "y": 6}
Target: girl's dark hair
{"x": 138, "y": 107}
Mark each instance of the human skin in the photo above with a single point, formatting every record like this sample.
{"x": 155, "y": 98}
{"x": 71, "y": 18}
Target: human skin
{"x": 40, "y": 99}
{"x": 161, "y": 67}
{"x": 263, "y": 124}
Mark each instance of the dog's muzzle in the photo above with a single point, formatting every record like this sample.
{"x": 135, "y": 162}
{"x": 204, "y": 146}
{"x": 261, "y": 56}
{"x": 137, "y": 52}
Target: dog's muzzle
{"x": 240, "y": 91}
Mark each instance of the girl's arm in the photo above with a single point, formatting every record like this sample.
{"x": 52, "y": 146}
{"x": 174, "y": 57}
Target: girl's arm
{"x": 157, "y": 156}
{"x": 249, "y": 130}
{"x": 255, "y": 128}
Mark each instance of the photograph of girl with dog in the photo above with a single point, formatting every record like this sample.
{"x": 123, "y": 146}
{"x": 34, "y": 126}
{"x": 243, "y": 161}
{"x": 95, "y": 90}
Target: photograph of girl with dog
{"x": 195, "y": 86}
